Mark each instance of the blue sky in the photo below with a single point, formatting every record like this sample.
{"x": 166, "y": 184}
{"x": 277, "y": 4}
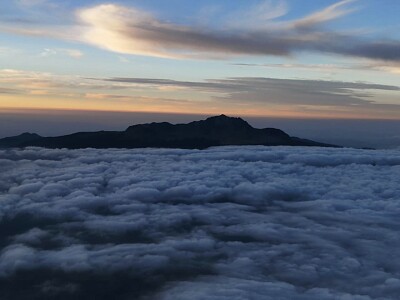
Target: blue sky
{"x": 308, "y": 59}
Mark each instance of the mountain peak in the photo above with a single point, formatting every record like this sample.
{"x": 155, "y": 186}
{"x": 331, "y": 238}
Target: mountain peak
{"x": 223, "y": 117}
{"x": 15, "y": 141}
{"x": 224, "y": 120}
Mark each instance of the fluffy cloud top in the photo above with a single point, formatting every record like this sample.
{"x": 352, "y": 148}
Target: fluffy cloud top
{"x": 225, "y": 223}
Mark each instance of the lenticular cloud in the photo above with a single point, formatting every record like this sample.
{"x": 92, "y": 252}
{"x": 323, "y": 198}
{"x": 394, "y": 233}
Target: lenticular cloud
{"x": 223, "y": 223}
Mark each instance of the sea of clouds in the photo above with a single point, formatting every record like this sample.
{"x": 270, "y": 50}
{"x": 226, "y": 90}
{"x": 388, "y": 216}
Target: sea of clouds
{"x": 223, "y": 223}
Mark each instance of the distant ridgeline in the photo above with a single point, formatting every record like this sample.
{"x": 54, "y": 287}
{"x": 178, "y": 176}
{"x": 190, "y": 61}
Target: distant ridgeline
{"x": 214, "y": 131}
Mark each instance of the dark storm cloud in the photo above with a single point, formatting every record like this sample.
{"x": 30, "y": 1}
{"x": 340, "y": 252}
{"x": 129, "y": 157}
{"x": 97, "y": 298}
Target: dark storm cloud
{"x": 224, "y": 223}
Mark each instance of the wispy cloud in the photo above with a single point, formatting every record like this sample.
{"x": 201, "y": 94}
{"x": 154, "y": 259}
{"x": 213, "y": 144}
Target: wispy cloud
{"x": 258, "y": 16}
{"x": 318, "y": 67}
{"x": 252, "y": 94}
{"x": 8, "y": 91}
{"x": 314, "y": 96}
{"x": 40, "y": 85}
{"x": 369, "y": 65}
{"x": 129, "y": 30}
{"x": 261, "y": 84}
{"x": 393, "y": 67}
{"x": 44, "y": 83}
{"x": 329, "y": 13}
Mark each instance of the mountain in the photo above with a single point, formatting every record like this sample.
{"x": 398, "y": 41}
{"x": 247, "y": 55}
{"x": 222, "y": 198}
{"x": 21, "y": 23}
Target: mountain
{"x": 214, "y": 131}
{"x": 16, "y": 141}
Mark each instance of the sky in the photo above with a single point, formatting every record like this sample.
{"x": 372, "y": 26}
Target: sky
{"x": 291, "y": 59}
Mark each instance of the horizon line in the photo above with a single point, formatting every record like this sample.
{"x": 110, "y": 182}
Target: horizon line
{"x": 28, "y": 110}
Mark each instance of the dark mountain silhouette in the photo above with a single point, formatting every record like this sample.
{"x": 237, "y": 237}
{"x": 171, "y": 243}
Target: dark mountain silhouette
{"x": 16, "y": 141}
{"x": 214, "y": 131}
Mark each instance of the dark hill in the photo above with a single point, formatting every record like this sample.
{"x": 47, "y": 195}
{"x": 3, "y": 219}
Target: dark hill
{"x": 16, "y": 141}
{"x": 214, "y": 131}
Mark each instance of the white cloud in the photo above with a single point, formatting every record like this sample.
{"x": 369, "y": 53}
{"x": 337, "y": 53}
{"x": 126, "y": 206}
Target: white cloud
{"x": 223, "y": 223}
{"x": 132, "y": 31}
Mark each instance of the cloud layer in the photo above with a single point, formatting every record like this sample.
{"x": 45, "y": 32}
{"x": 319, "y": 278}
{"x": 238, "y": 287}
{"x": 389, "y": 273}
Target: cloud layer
{"x": 234, "y": 95}
{"x": 294, "y": 92}
{"x": 225, "y": 223}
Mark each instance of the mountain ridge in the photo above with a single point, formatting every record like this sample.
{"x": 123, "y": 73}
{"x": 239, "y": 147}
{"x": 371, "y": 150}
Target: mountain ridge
{"x": 214, "y": 131}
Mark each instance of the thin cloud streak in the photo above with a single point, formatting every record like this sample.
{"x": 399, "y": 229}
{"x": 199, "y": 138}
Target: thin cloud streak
{"x": 330, "y": 13}
{"x": 8, "y": 91}
{"x": 370, "y": 65}
{"x": 308, "y": 95}
{"x": 259, "y": 16}
{"x": 249, "y": 95}
{"x": 270, "y": 90}
{"x": 238, "y": 83}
